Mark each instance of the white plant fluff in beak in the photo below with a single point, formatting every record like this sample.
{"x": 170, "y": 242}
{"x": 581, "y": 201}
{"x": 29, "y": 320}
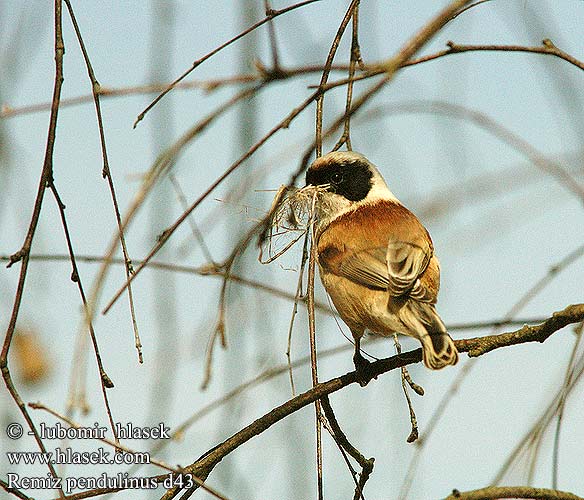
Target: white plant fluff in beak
{"x": 293, "y": 212}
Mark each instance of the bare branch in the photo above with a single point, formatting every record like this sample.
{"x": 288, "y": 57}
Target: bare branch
{"x": 313, "y": 356}
{"x": 476, "y": 347}
{"x": 547, "y": 48}
{"x": 325, "y": 74}
{"x": 468, "y": 7}
{"x": 481, "y": 345}
{"x": 23, "y": 254}
{"x": 269, "y": 16}
{"x": 13, "y": 491}
{"x": 365, "y": 463}
{"x": 484, "y": 121}
{"x": 263, "y": 74}
{"x": 388, "y": 68}
{"x": 106, "y": 173}
{"x": 496, "y": 492}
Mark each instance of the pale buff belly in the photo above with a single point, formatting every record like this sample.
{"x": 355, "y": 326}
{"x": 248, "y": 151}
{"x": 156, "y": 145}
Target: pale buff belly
{"x": 361, "y": 307}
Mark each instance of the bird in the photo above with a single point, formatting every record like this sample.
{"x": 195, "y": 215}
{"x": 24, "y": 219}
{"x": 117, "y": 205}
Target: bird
{"x": 376, "y": 260}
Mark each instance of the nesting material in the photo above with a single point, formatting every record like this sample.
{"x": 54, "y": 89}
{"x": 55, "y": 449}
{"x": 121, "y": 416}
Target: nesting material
{"x": 292, "y": 214}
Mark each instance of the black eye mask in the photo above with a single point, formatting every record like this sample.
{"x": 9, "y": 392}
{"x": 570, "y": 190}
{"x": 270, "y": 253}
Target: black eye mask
{"x": 350, "y": 180}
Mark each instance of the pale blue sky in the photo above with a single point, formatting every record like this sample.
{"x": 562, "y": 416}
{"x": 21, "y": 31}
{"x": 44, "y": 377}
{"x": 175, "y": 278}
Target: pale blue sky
{"x": 492, "y": 249}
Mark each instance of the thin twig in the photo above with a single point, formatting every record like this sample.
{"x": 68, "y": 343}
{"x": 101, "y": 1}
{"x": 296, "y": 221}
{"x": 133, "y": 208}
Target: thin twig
{"x": 365, "y": 463}
{"x": 162, "y": 164}
{"x": 388, "y": 68}
{"x": 23, "y": 254}
{"x": 226, "y": 270}
{"x": 503, "y": 133}
{"x": 106, "y": 173}
{"x": 561, "y": 406}
{"x": 406, "y": 379}
{"x": 297, "y": 296}
{"x": 468, "y": 7}
{"x": 313, "y": 357}
{"x": 269, "y": 16}
{"x": 13, "y": 491}
{"x": 272, "y": 33}
{"x": 354, "y": 59}
{"x": 198, "y": 235}
{"x": 218, "y": 332}
{"x": 105, "y": 381}
{"x": 325, "y": 74}
{"x": 327, "y": 427}
{"x": 263, "y": 74}
{"x": 547, "y": 48}
{"x": 167, "y": 233}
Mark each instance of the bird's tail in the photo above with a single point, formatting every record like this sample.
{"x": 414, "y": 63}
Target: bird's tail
{"x": 438, "y": 348}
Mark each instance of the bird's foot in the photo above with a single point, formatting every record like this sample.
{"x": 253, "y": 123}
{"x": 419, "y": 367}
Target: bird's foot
{"x": 362, "y": 367}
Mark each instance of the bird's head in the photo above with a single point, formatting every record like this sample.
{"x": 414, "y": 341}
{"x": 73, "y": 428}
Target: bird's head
{"x": 347, "y": 181}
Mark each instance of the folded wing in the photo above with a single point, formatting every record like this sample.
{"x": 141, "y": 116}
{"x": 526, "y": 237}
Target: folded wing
{"x": 389, "y": 251}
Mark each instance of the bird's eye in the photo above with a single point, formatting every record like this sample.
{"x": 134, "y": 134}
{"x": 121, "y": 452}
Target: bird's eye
{"x": 337, "y": 178}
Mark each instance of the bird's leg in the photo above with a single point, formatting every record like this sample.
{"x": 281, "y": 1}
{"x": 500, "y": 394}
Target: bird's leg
{"x": 361, "y": 364}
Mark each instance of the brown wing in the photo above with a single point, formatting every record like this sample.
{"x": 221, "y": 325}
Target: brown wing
{"x": 384, "y": 246}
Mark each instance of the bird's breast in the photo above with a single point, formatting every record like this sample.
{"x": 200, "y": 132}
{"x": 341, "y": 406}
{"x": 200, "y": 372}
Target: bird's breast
{"x": 360, "y": 307}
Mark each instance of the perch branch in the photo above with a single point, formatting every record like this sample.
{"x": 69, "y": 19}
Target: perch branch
{"x": 475, "y": 347}
{"x": 496, "y": 492}
{"x": 539, "y": 333}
